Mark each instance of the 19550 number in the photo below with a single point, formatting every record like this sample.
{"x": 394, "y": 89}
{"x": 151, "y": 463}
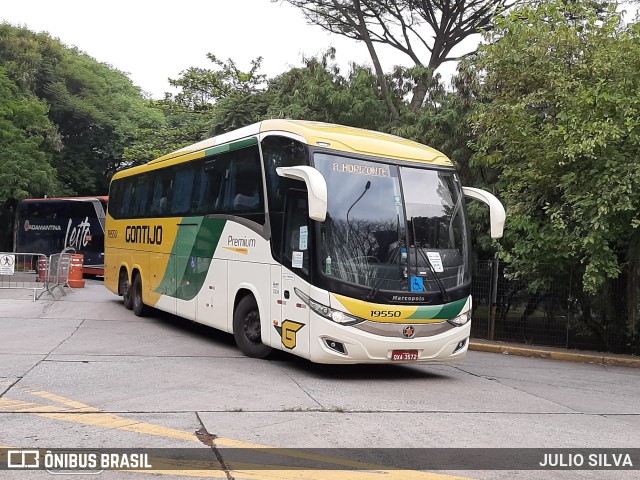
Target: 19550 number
{"x": 386, "y": 313}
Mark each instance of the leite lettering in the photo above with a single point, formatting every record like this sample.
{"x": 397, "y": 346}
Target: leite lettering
{"x": 146, "y": 234}
{"x": 77, "y": 237}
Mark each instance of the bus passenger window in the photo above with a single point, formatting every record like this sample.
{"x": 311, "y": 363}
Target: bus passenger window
{"x": 156, "y": 200}
{"x": 281, "y": 152}
{"x": 247, "y": 181}
{"x": 182, "y": 190}
{"x": 207, "y": 190}
{"x": 127, "y": 187}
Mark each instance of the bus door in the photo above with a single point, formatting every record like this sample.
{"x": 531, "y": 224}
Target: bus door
{"x": 296, "y": 261}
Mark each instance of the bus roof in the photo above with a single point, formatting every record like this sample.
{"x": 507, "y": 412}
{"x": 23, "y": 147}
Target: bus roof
{"x": 337, "y": 137}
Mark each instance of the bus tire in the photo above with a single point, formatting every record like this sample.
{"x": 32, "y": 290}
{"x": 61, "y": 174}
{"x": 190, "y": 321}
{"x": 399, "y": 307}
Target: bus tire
{"x": 139, "y": 308}
{"x": 246, "y": 329}
{"x": 126, "y": 290}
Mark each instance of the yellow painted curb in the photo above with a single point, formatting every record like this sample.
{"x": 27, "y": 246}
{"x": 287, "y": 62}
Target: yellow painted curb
{"x": 623, "y": 361}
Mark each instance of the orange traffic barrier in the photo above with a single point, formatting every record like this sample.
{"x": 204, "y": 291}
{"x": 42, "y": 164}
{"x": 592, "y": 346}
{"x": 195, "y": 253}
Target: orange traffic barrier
{"x": 42, "y": 269}
{"x": 75, "y": 273}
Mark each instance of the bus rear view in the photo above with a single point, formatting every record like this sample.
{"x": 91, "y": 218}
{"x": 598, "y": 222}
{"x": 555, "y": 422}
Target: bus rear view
{"x": 50, "y": 225}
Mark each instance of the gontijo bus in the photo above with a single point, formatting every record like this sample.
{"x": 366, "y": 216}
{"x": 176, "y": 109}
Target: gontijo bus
{"x": 337, "y": 244}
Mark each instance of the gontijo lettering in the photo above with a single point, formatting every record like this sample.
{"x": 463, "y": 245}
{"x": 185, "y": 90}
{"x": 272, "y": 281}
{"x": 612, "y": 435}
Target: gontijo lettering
{"x": 151, "y": 235}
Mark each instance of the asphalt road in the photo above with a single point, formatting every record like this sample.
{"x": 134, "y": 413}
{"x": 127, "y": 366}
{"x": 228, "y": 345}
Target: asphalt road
{"x": 83, "y": 372}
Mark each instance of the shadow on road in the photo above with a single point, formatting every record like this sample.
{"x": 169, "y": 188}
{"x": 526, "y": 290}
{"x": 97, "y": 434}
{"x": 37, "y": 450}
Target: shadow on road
{"x": 297, "y": 364}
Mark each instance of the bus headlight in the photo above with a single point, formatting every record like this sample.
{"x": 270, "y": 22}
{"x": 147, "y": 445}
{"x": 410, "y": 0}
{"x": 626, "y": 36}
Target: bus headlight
{"x": 461, "y": 319}
{"x": 328, "y": 312}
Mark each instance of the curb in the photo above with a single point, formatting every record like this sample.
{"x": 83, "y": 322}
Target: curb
{"x": 567, "y": 356}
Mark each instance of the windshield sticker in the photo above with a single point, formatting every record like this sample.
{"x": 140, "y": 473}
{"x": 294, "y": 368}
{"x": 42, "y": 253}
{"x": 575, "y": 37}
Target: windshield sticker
{"x": 304, "y": 234}
{"x": 397, "y": 201}
{"x": 417, "y": 284}
{"x": 296, "y": 259}
{"x": 436, "y": 261}
{"x": 380, "y": 171}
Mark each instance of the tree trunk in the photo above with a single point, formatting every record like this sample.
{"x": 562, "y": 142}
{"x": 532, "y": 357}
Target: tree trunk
{"x": 382, "y": 81}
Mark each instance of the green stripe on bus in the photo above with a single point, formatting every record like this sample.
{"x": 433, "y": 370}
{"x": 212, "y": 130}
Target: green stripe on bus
{"x": 191, "y": 255}
{"x": 450, "y": 310}
{"x": 231, "y": 146}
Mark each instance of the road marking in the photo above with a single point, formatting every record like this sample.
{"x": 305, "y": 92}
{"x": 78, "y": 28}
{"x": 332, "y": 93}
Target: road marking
{"x": 78, "y": 412}
{"x": 63, "y": 400}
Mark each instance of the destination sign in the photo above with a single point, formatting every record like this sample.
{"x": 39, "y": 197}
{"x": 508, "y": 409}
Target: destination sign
{"x": 373, "y": 171}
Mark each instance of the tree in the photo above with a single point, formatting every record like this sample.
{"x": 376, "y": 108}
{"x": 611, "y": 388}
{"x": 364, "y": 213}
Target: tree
{"x": 95, "y": 107}
{"x": 211, "y": 101}
{"x": 409, "y": 26}
{"x": 318, "y": 91}
{"x": 27, "y": 139}
{"x": 560, "y": 123}
{"x": 203, "y": 87}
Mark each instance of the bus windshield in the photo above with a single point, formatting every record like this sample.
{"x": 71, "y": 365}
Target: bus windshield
{"x": 393, "y": 227}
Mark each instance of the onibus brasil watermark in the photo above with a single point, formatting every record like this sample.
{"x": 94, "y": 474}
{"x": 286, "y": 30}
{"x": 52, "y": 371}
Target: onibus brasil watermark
{"x": 96, "y": 460}
{"x": 56, "y": 461}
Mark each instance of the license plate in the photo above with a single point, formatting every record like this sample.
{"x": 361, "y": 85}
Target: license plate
{"x": 404, "y": 355}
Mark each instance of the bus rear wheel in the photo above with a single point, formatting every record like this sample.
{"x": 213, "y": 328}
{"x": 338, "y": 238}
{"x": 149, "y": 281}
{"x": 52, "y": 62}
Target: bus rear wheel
{"x": 125, "y": 288}
{"x": 246, "y": 329}
{"x": 139, "y": 308}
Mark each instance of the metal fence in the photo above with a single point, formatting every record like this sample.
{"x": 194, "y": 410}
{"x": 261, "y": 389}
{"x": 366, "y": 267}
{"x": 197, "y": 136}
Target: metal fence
{"x": 554, "y": 312}
{"x": 35, "y": 272}
{"x": 23, "y": 271}
{"x": 58, "y": 269}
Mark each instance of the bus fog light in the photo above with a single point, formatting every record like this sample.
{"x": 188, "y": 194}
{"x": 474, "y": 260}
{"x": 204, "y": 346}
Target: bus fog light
{"x": 335, "y": 345}
{"x": 461, "y": 319}
{"x": 460, "y": 345}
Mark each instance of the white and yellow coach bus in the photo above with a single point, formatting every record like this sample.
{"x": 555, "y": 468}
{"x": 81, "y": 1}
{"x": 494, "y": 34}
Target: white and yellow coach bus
{"x": 337, "y": 244}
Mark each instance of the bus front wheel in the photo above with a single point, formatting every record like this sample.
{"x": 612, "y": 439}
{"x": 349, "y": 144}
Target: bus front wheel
{"x": 246, "y": 329}
{"x": 139, "y": 308}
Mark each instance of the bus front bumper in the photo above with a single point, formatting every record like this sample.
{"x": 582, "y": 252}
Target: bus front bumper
{"x": 334, "y": 343}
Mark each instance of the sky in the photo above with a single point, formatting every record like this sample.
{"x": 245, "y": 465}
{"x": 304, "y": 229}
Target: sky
{"x": 152, "y": 41}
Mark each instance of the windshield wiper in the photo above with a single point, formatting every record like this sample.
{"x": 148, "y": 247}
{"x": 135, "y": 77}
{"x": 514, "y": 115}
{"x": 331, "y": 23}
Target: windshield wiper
{"x": 374, "y": 290}
{"x": 443, "y": 291}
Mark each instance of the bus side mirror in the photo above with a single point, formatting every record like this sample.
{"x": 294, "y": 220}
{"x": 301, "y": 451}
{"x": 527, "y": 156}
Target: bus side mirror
{"x": 316, "y": 188}
{"x": 497, "y": 214}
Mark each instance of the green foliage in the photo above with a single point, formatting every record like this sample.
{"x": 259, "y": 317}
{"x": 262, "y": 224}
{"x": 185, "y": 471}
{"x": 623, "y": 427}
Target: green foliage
{"x": 211, "y": 101}
{"x": 95, "y": 108}
{"x": 26, "y": 140}
{"x": 317, "y": 91}
{"x": 203, "y": 87}
{"x": 560, "y": 124}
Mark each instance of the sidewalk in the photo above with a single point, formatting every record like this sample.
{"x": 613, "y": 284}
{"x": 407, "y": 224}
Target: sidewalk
{"x": 552, "y": 353}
